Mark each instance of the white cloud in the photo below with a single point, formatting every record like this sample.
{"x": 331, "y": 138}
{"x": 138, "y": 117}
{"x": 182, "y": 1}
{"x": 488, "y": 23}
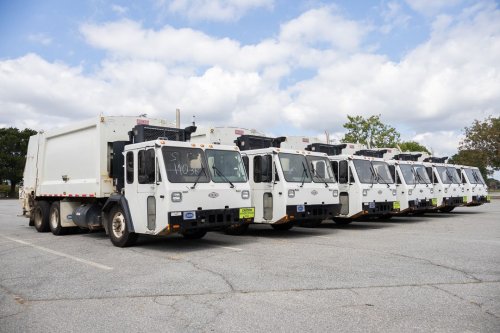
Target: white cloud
{"x": 214, "y": 10}
{"x": 394, "y": 17}
{"x": 434, "y": 90}
{"x": 432, "y": 7}
{"x": 120, "y": 10}
{"x": 322, "y": 25}
{"x": 40, "y": 38}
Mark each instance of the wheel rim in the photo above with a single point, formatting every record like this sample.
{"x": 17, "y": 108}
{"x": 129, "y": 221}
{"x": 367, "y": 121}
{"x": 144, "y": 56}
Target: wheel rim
{"x": 54, "y": 219}
{"x": 118, "y": 225}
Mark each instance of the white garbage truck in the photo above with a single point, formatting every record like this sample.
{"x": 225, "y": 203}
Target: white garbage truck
{"x": 475, "y": 188}
{"x": 288, "y": 186}
{"x": 448, "y": 187}
{"x": 130, "y": 176}
{"x": 415, "y": 191}
{"x": 366, "y": 186}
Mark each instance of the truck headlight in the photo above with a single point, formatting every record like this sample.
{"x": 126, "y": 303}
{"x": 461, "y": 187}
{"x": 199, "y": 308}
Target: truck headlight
{"x": 446, "y": 190}
{"x": 291, "y": 193}
{"x": 365, "y": 192}
{"x": 462, "y": 189}
{"x": 410, "y": 191}
{"x": 394, "y": 192}
{"x": 335, "y": 193}
{"x": 245, "y": 194}
{"x": 176, "y": 196}
{"x": 432, "y": 190}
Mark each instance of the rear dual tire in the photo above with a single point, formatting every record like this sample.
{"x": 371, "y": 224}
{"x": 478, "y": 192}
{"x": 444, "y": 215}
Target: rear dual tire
{"x": 55, "y": 219}
{"x": 41, "y": 216}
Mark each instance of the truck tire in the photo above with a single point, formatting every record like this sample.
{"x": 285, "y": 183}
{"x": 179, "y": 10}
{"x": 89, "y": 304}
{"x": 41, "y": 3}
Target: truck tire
{"x": 237, "y": 230}
{"x": 341, "y": 221}
{"x": 55, "y": 219}
{"x": 119, "y": 234}
{"x": 282, "y": 226}
{"x": 195, "y": 234}
{"x": 41, "y": 216}
{"x": 446, "y": 209}
{"x": 310, "y": 223}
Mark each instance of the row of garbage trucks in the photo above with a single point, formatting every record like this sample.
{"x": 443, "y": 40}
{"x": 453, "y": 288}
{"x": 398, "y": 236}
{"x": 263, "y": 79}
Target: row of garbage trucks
{"x": 137, "y": 175}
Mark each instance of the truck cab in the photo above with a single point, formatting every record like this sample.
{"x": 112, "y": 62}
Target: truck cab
{"x": 366, "y": 185}
{"x": 447, "y": 185}
{"x": 475, "y": 188}
{"x": 415, "y": 191}
{"x": 287, "y": 186}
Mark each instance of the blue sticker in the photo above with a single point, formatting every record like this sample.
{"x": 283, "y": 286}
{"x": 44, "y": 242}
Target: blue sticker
{"x": 301, "y": 208}
{"x": 189, "y": 215}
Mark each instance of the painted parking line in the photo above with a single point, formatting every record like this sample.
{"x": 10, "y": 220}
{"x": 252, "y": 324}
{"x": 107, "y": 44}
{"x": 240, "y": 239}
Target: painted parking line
{"x": 61, "y": 254}
{"x": 230, "y": 248}
{"x": 324, "y": 237}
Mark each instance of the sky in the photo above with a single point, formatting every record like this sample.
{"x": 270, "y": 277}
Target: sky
{"x": 284, "y": 67}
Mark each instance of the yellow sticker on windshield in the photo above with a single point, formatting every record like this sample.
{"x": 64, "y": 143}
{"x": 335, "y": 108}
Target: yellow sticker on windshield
{"x": 247, "y": 213}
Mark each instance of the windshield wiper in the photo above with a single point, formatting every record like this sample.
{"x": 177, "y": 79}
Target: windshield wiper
{"x": 317, "y": 175}
{"x": 304, "y": 174}
{"x": 198, "y": 178}
{"x": 373, "y": 177}
{"x": 222, "y": 175}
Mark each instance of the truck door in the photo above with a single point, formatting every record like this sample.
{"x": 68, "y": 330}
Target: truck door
{"x": 344, "y": 178}
{"x": 146, "y": 190}
{"x": 263, "y": 187}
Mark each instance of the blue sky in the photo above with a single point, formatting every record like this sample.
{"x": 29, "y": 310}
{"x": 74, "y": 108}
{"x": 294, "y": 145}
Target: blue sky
{"x": 429, "y": 67}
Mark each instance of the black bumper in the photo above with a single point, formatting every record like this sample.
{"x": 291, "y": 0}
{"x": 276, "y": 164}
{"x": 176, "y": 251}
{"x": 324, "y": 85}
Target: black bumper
{"x": 453, "y": 201}
{"x": 421, "y": 205}
{"x": 379, "y": 208}
{"x": 313, "y": 212}
{"x": 213, "y": 219}
{"x": 478, "y": 200}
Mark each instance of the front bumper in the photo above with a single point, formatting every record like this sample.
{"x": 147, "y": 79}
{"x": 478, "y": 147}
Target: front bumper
{"x": 478, "y": 200}
{"x": 380, "y": 208}
{"x": 421, "y": 205}
{"x": 211, "y": 219}
{"x": 312, "y": 212}
{"x": 452, "y": 202}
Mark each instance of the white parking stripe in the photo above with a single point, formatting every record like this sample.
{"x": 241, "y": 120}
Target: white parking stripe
{"x": 57, "y": 253}
{"x": 231, "y": 248}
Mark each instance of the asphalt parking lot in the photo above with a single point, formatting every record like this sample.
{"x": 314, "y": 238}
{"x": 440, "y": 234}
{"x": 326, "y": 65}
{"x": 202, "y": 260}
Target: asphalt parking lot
{"x": 439, "y": 272}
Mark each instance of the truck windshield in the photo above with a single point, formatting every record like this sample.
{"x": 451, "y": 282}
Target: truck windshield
{"x": 225, "y": 166}
{"x": 185, "y": 165}
{"x": 421, "y": 173}
{"x": 408, "y": 174}
{"x": 448, "y": 175}
{"x": 373, "y": 172}
{"x": 295, "y": 168}
{"x": 474, "y": 176}
{"x": 321, "y": 169}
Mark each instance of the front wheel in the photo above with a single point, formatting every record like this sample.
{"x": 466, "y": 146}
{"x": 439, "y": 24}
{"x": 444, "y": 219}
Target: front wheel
{"x": 196, "y": 234}
{"x": 310, "y": 223}
{"x": 119, "y": 233}
{"x": 55, "y": 219}
{"x": 237, "y": 230}
{"x": 282, "y": 226}
{"x": 41, "y": 216}
{"x": 341, "y": 221}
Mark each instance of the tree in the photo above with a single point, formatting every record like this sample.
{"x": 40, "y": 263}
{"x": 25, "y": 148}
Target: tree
{"x": 370, "y": 131}
{"x": 413, "y": 146}
{"x": 471, "y": 158}
{"x": 13, "y": 146}
{"x": 484, "y": 137}
{"x": 481, "y": 146}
